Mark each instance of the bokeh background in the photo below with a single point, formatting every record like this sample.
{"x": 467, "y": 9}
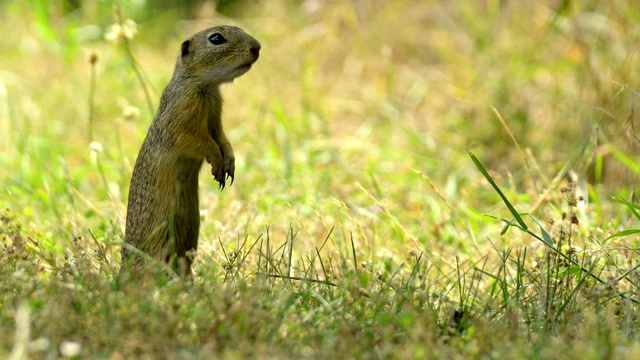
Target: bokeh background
{"x": 345, "y": 92}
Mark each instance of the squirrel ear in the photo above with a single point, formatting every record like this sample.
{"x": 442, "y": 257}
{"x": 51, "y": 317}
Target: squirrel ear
{"x": 184, "y": 49}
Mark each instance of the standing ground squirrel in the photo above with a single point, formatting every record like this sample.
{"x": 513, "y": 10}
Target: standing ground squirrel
{"x": 163, "y": 215}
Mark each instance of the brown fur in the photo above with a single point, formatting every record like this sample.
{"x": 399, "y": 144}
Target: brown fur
{"x": 163, "y": 215}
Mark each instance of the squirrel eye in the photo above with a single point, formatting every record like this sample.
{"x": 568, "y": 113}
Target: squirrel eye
{"x": 217, "y": 39}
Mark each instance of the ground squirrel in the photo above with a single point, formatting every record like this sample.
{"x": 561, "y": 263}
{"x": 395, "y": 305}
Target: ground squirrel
{"x": 163, "y": 215}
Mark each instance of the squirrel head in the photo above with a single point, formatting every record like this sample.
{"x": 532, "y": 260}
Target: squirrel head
{"x": 218, "y": 55}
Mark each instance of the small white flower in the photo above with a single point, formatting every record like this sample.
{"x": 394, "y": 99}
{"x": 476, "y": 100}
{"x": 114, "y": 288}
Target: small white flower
{"x": 117, "y": 33}
{"x": 70, "y": 348}
{"x": 95, "y": 147}
{"x": 130, "y": 113}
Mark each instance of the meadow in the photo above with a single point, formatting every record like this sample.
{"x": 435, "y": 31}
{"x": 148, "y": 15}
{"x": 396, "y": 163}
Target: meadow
{"x": 414, "y": 179}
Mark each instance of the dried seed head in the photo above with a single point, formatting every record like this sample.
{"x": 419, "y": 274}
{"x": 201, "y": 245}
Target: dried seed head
{"x": 94, "y": 56}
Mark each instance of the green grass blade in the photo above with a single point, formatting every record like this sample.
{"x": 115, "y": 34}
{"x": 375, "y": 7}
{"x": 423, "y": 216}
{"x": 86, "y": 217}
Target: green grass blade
{"x": 623, "y": 233}
{"x": 495, "y": 186}
{"x": 545, "y": 235}
{"x": 633, "y": 207}
{"x": 630, "y": 163}
{"x": 505, "y": 229}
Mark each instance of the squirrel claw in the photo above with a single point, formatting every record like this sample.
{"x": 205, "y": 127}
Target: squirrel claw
{"x": 219, "y": 177}
{"x": 220, "y": 184}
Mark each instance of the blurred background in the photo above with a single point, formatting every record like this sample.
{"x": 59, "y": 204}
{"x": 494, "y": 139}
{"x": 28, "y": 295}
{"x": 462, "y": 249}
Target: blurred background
{"x": 357, "y": 224}
{"x": 355, "y": 110}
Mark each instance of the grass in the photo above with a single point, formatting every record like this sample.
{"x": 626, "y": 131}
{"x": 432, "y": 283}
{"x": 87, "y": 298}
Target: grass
{"x": 358, "y": 225}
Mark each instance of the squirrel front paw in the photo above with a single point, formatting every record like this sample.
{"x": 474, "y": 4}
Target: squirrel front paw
{"x": 222, "y": 170}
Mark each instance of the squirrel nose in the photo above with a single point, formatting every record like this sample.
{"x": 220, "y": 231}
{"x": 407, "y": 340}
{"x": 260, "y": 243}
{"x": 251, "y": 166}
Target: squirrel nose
{"x": 255, "y": 49}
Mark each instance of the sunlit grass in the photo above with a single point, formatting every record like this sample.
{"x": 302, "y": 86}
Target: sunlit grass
{"x": 357, "y": 224}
